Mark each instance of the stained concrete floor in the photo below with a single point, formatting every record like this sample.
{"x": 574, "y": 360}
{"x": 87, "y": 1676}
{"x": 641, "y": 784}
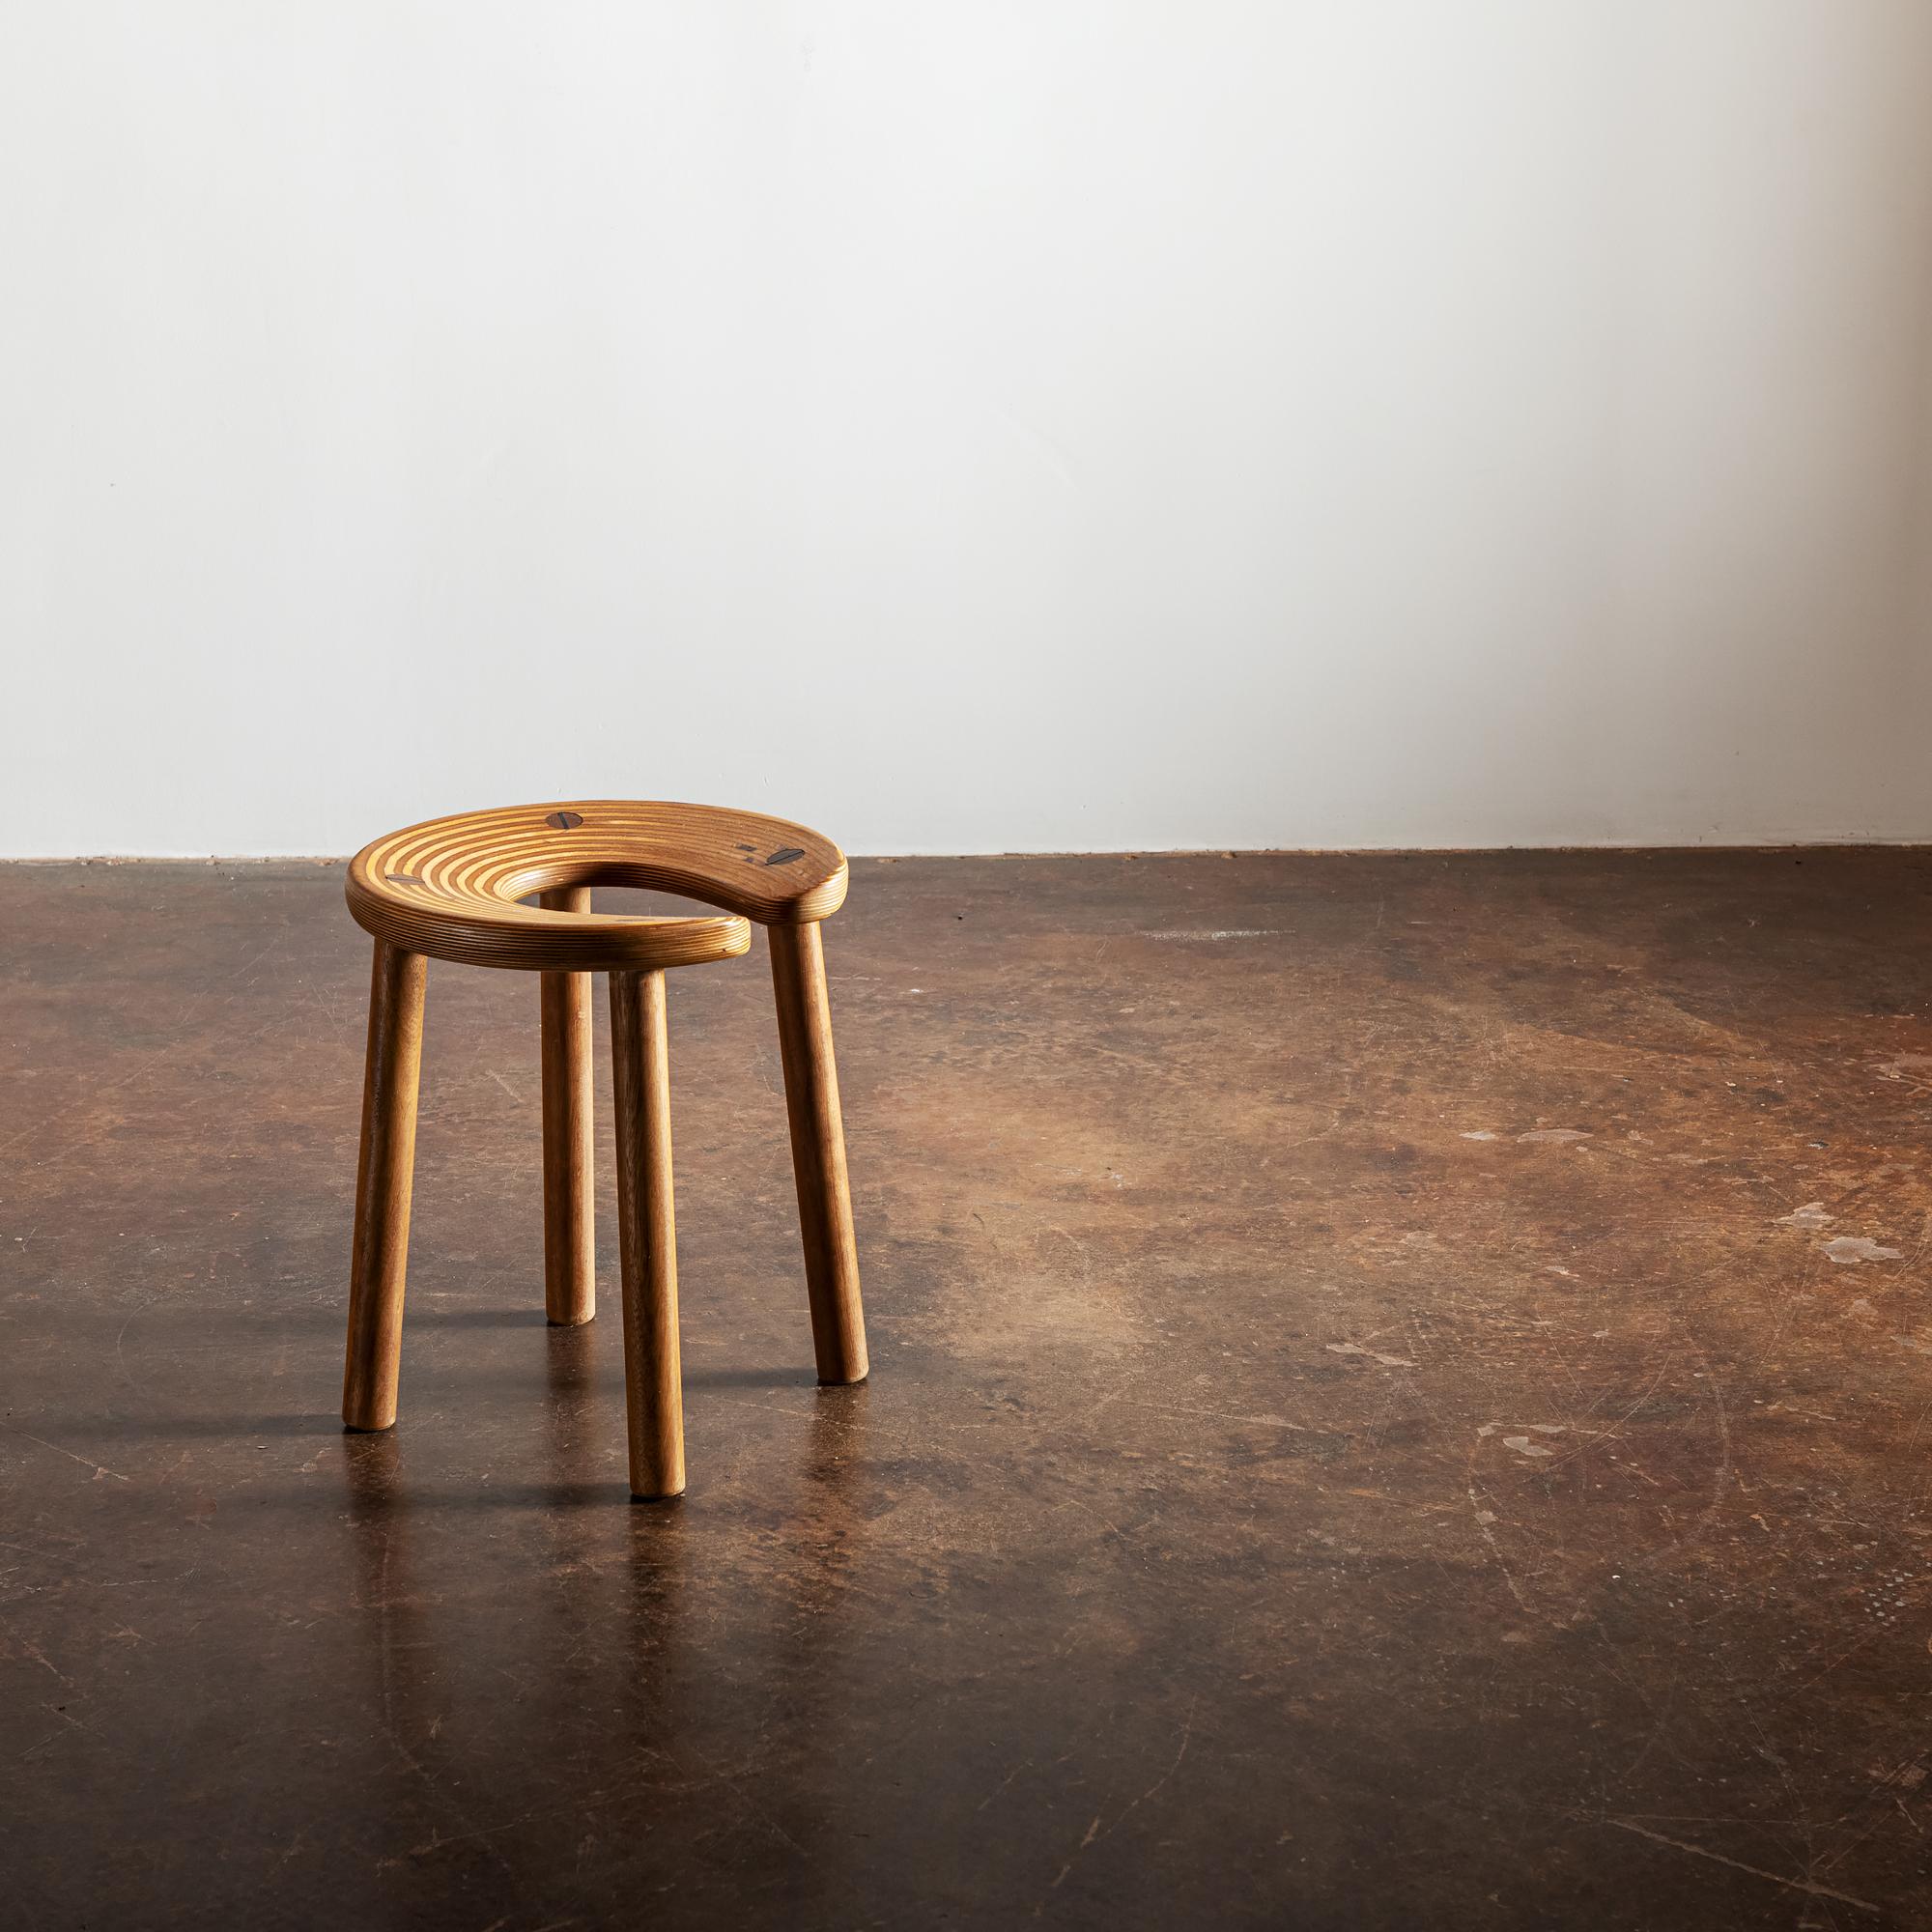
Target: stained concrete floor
{"x": 1400, "y": 1398}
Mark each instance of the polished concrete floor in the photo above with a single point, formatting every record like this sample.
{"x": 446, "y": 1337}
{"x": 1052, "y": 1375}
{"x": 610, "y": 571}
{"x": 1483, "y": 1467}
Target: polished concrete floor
{"x": 1402, "y": 1397}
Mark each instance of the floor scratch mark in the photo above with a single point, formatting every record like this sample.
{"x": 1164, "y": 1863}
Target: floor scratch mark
{"x": 1803, "y": 1885}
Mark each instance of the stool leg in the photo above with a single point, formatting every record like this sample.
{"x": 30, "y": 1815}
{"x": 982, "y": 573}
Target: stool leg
{"x": 570, "y": 1232}
{"x": 384, "y": 1174}
{"x": 648, "y": 1234}
{"x": 818, "y": 1153}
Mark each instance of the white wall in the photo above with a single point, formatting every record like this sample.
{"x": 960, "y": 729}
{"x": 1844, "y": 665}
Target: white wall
{"x": 1024, "y": 424}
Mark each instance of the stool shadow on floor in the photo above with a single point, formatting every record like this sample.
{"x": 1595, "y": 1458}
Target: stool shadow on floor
{"x": 379, "y": 1492}
{"x": 752, "y": 1378}
{"x": 74, "y": 1435}
{"x": 476, "y": 1318}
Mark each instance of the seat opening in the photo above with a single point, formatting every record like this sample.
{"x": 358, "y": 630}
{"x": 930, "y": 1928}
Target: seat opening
{"x": 630, "y": 877}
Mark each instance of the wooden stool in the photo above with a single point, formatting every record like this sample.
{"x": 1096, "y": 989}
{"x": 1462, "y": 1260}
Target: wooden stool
{"x": 451, "y": 889}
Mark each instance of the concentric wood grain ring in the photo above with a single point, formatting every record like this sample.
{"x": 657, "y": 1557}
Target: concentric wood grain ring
{"x": 450, "y": 887}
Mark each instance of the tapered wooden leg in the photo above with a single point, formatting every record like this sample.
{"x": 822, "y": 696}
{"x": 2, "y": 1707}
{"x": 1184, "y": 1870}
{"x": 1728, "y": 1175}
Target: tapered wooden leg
{"x": 382, "y": 1179}
{"x": 570, "y": 1228}
{"x": 818, "y": 1153}
{"x": 647, "y": 1233}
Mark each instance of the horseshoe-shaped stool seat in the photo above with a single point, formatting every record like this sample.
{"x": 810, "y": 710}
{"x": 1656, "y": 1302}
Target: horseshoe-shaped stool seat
{"x": 456, "y": 888}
